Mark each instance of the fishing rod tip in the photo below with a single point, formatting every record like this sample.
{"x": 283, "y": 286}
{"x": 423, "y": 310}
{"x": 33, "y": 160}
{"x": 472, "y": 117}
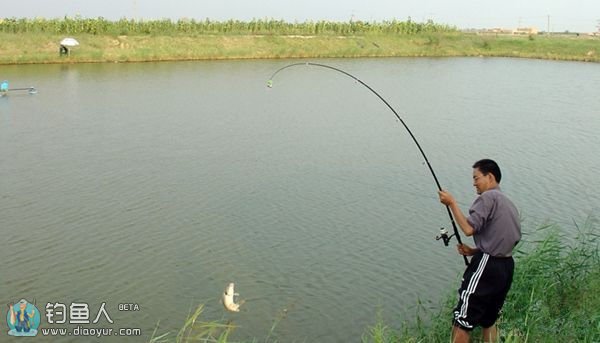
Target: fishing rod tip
{"x": 270, "y": 83}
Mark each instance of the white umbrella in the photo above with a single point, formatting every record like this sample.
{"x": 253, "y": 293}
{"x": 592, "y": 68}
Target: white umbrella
{"x": 69, "y": 42}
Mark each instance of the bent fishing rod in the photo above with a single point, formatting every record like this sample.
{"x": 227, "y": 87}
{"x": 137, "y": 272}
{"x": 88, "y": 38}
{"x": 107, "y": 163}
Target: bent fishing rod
{"x": 443, "y": 232}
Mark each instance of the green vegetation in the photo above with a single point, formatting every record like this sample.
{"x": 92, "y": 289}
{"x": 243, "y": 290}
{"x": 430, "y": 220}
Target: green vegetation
{"x": 101, "y": 26}
{"x": 554, "y": 298}
{"x": 196, "y": 331}
{"x": 37, "y": 41}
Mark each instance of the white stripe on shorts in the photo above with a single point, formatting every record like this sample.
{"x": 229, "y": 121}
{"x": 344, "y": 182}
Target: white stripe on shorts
{"x": 462, "y": 315}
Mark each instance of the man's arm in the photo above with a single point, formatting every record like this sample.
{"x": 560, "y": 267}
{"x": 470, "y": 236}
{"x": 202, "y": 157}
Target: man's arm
{"x": 448, "y": 200}
{"x": 466, "y": 250}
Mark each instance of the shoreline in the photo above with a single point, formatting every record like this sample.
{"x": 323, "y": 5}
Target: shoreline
{"x": 41, "y": 48}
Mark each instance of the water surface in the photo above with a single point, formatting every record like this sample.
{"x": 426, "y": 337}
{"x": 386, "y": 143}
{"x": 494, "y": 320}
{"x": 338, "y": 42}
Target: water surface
{"x": 158, "y": 183}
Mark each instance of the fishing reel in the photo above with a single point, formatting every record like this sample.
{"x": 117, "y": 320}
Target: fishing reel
{"x": 444, "y": 236}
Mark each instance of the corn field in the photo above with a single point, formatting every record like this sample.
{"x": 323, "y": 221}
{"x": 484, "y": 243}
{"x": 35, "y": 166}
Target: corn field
{"x": 101, "y": 26}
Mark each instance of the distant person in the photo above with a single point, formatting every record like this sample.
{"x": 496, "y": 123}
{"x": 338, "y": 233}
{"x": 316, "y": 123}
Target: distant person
{"x": 493, "y": 222}
{"x": 4, "y": 86}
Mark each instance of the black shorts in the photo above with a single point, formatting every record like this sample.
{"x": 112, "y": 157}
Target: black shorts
{"x": 483, "y": 290}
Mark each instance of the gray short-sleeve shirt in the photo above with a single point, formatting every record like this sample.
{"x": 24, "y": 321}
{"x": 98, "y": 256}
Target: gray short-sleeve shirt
{"x": 495, "y": 220}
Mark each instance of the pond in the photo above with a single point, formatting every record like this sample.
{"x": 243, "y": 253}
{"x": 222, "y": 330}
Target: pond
{"x": 156, "y": 184}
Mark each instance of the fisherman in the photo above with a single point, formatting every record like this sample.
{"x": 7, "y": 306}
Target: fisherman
{"x": 493, "y": 222}
{"x": 4, "y": 87}
{"x": 63, "y": 50}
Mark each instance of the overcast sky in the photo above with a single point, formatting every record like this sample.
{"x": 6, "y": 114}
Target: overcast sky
{"x": 572, "y": 15}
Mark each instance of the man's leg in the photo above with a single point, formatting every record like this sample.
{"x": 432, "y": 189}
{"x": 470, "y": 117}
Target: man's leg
{"x": 459, "y": 335}
{"x": 490, "y": 334}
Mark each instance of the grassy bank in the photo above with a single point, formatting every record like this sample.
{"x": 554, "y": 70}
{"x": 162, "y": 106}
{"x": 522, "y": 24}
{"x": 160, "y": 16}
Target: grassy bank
{"x": 23, "y": 41}
{"x": 554, "y": 298}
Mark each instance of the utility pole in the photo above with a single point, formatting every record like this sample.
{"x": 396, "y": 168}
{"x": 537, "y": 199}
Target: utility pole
{"x": 548, "y": 25}
{"x": 134, "y": 9}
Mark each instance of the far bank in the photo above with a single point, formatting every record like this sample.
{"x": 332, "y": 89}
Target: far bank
{"x": 27, "y": 48}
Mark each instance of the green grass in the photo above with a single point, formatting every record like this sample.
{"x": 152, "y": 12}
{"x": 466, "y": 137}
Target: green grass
{"x": 195, "y": 330}
{"x": 556, "y": 293}
{"x": 554, "y": 298}
{"x": 37, "y": 41}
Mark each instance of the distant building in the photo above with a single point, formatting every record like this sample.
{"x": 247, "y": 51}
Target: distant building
{"x": 504, "y": 31}
{"x": 500, "y": 30}
{"x": 525, "y": 31}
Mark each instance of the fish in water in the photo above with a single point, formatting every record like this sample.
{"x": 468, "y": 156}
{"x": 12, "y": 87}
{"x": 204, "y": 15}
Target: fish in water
{"x": 228, "y": 301}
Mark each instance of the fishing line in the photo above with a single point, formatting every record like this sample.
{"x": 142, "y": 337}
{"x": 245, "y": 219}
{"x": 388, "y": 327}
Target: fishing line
{"x": 443, "y": 233}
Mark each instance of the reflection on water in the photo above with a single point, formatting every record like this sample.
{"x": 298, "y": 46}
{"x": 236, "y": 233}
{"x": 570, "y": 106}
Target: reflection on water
{"x": 158, "y": 184}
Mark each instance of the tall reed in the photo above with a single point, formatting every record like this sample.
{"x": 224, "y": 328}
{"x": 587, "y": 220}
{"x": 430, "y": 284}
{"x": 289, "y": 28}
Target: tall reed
{"x": 554, "y": 295}
{"x": 98, "y": 26}
{"x": 195, "y": 330}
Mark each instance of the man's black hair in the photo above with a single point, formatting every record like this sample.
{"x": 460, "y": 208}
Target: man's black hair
{"x": 487, "y": 166}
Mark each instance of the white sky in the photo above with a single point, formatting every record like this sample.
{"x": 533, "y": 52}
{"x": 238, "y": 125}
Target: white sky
{"x": 572, "y": 15}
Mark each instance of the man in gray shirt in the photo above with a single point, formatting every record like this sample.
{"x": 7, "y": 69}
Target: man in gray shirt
{"x": 494, "y": 223}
